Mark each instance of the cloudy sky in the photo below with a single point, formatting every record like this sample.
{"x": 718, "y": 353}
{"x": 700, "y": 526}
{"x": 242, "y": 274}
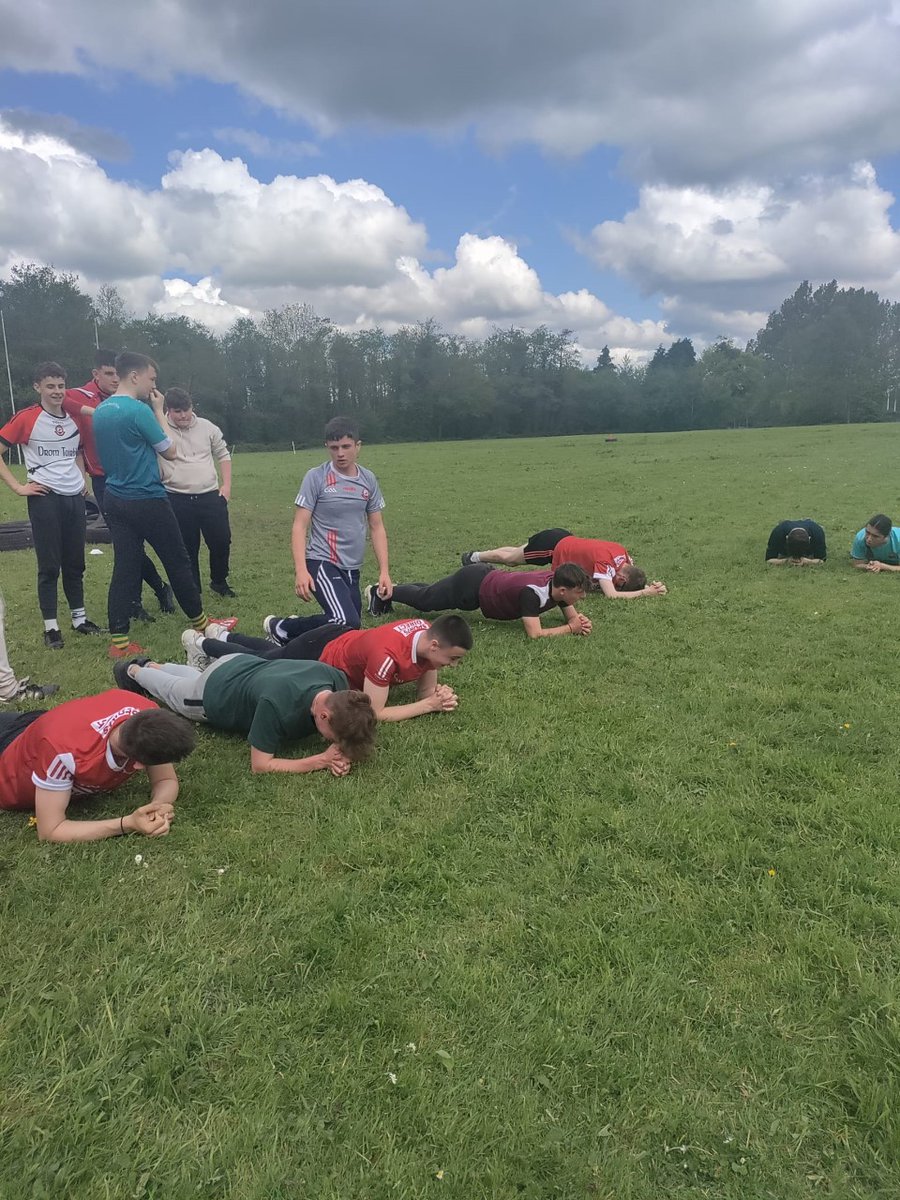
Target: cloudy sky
{"x": 633, "y": 172}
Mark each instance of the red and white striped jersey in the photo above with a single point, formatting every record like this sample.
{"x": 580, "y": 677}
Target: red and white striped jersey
{"x": 49, "y": 444}
{"x": 67, "y": 749}
{"x": 386, "y": 655}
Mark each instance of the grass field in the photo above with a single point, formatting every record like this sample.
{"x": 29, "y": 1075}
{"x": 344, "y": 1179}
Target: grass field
{"x": 626, "y": 926}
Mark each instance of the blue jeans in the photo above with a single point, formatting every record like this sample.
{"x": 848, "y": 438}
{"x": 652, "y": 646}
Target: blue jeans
{"x": 337, "y": 592}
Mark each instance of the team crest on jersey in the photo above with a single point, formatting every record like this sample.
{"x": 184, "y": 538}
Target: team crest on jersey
{"x": 365, "y": 494}
{"x": 59, "y": 431}
{"x": 106, "y": 725}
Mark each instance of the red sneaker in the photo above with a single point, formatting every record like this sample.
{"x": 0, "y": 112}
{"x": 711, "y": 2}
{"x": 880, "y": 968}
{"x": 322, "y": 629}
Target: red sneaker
{"x": 228, "y": 623}
{"x": 129, "y": 651}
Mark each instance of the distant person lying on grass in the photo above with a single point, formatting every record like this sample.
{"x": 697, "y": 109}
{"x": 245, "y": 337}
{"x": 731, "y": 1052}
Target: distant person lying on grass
{"x": 877, "y": 546}
{"x": 87, "y": 746}
{"x": 374, "y": 660}
{"x": 271, "y": 702}
{"x": 609, "y": 565}
{"x": 797, "y": 543}
{"x": 501, "y": 595}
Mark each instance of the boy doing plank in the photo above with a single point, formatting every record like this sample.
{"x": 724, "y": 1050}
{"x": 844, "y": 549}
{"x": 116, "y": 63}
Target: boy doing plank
{"x": 55, "y": 494}
{"x": 501, "y": 595}
{"x": 270, "y": 702}
{"x": 374, "y": 660}
{"x": 88, "y": 746}
{"x": 608, "y": 564}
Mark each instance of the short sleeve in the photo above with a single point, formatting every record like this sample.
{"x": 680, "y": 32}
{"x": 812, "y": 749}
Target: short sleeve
{"x": 267, "y": 730}
{"x": 53, "y": 769}
{"x": 150, "y": 429}
{"x": 529, "y": 603}
{"x": 17, "y": 430}
{"x": 776, "y": 547}
{"x": 375, "y": 503}
{"x": 858, "y": 549}
{"x": 817, "y": 538}
{"x": 604, "y": 570}
{"x": 310, "y": 490}
{"x": 380, "y": 668}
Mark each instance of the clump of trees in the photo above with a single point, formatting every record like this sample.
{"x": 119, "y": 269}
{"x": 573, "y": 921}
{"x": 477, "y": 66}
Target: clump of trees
{"x": 828, "y": 354}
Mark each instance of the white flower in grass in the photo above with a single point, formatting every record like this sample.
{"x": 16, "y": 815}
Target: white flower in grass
{"x": 138, "y": 859}
{"x": 411, "y": 1047}
{"x": 392, "y": 1077}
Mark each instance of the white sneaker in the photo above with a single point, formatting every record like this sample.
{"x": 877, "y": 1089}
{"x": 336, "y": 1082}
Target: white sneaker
{"x": 219, "y": 632}
{"x": 192, "y": 641}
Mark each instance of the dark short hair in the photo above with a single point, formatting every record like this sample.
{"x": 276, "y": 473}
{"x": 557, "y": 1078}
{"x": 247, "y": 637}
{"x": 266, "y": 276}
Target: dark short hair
{"x": 48, "y": 370}
{"x": 633, "y": 578}
{"x": 354, "y": 724}
{"x": 130, "y": 360}
{"x": 797, "y": 541}
{"x": 104, "y": 358}
{"x": 883, "y": 524}
{"x": 341, "y": 427}
{"x": 178, "y": 400}
{"x": 156, "y": 736}
{"x": 452, "y": 630}
{"x": 570, "y": 575}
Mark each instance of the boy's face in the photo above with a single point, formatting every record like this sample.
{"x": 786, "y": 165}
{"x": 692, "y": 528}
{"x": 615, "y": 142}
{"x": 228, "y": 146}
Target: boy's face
{"x": 141, "y": 383}
{"x": 873, "y": 537}
{"x": 106, "y": 379}
{"x": 344, "y": 453}
{"x": 564, "y": 595}
{"x": 443, "y": 656}
{"x": 51, "y": 390}
{"x": 181, "y": 418}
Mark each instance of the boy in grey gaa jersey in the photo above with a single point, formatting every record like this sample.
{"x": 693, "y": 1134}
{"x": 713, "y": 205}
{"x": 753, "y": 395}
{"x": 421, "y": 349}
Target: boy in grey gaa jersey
{"x": 337, "y": 503}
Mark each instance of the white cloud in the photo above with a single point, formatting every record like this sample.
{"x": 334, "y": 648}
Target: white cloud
{"x": 691, "y": 92}
{"x": 212, "y": 242}
{"x": 722, "y": 258}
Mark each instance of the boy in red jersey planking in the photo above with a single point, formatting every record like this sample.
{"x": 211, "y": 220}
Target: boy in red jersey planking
{"x": 610, "y": 566}
{"x": 47, "y": 758}
{"x": 374, "y": 660}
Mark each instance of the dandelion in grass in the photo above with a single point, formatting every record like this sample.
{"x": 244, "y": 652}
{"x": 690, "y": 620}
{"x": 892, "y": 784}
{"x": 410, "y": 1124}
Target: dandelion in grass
{"x": 772, "y": 872}
{"x": 439, "y": 1174}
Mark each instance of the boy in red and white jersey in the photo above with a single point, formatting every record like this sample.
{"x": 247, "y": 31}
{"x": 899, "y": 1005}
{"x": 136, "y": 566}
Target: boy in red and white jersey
{"x": 374, "y": 660}
{"x": 609, "y": 565}
{"x": 55, "y": 493}
{"x": 89, "y": 746}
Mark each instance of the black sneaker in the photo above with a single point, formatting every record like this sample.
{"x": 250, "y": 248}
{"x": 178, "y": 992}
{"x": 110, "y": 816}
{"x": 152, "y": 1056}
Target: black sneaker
{"x": 124, "y": 680}
{"x": 26, "y": 690}
{"x": 139, "y": 613}
{"x": 166, "y": 598}
{"x": 270, "y": 629}
{"x": 466, "y": 559}
{"x": 374, "y": 603}
{"x": 222, "y": 589}
{"x": 87, "y": 627}
{"x": 53, "y": 639}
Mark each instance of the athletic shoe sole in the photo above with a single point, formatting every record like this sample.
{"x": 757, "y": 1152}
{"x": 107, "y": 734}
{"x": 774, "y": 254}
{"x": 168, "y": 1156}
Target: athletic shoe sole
{"x": 190, "y": 641}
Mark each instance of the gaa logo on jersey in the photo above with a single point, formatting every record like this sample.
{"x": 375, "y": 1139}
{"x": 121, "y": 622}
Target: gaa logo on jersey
{"x": 59, "y": 430}
{"x": 365, "y": 494}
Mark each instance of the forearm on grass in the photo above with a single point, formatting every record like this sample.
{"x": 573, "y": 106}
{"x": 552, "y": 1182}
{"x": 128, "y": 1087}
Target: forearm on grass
{"x": 54, "y": 826}
{"x": 262, "y": 763}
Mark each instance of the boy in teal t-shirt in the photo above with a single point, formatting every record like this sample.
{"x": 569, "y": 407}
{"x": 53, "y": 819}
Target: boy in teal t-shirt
{"x": 877, "y": 546}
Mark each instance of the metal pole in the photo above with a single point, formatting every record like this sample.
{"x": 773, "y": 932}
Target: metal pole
{"x": 96, "y": 336}
{"x": 12, "y": 398}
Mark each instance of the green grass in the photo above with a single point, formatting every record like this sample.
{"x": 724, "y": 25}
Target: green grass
{"x": 535, "y": 945}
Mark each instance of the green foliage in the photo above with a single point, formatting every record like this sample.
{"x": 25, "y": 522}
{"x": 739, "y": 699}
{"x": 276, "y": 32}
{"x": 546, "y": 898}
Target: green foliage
{"x": 626, "y": 925}
{"x": 827, "y": 354}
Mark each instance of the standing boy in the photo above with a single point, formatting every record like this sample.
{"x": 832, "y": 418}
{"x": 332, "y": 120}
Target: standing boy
{"x": 80, "y": 403}
{"x": 131, "y": 441}
{"x": 192, "y": 483}
{"x": 336, "y": 503}
{"x": 55, "y": 493}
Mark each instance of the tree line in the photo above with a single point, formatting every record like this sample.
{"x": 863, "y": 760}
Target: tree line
{"x": 828, "y": 354}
